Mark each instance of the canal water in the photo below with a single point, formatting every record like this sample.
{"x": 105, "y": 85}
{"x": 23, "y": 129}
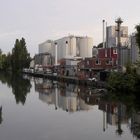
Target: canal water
{"x": 40, "y": 109}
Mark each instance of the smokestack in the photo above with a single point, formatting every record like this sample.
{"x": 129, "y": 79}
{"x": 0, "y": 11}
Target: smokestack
{"x": 103, "y": 33}
{"x": 55, "y": 53}
{"x": 66, "y": 48}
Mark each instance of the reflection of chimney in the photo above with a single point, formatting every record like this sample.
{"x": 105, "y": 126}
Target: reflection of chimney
{"x": 104, "y": 120}
{"x": 56, "y": 98}
{"x": 55, "y": 53}
{"x": 67, "y": 105}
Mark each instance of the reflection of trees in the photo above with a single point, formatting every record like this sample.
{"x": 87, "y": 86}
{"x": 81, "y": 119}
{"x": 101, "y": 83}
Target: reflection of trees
{"x": 119, "y": 130}
{"x": 20, "y": 86}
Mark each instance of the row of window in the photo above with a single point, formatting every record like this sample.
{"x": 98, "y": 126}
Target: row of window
{"x": 98, "y": 62}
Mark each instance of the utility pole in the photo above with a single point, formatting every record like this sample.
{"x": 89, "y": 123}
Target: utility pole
{"x": 119, "y": 22}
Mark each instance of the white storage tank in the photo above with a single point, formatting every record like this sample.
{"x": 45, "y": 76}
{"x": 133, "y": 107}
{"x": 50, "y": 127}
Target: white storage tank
{"x": 46, "y": 47}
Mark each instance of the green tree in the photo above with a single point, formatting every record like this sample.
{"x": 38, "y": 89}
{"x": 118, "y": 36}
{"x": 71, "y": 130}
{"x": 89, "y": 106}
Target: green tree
{"x": 0, "y": 51}
{"x": 20, "y": 56}
{"x": 138, "y": 35}
{"x": 121, "y": 83}
{"x": 100, "y": 45}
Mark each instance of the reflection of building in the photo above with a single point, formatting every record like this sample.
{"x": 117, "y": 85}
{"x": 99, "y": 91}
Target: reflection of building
{"x": 65, "y": 97}
{"x": 43, "y": 85}
{"x": 90, "y": 96}
{"x": 113, "y": 114}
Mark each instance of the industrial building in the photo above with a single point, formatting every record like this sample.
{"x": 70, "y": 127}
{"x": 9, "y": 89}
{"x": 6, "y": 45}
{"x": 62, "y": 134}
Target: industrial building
{"x": 70, "y": 46}
{"x": 46, "y": 47}
{"x": 134, "y": 49}
{"x": 111, "y": 36}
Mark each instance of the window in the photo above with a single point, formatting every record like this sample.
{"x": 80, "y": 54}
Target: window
{"x": 98, "y": 62}
{"x": 114, "y": 51}
{"x": 108, "y": 62}
{"x": 105, "y": 53}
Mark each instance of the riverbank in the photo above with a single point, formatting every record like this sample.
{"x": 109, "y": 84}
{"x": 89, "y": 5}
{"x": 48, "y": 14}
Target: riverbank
{"x": 68, "y": 79}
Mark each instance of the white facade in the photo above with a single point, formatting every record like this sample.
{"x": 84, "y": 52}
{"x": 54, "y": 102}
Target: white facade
{"x": 66, "y": 50}
{"x": 76, "y": 46}
{"x": 70, "y": 46}
{"x": 111, "y": 36}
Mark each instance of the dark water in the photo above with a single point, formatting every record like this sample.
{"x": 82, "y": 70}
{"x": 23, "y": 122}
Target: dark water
{"x": 39, "y": 109}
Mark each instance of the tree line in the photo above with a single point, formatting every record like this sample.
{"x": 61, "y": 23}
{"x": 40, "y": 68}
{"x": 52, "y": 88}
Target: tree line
{"x": 18, "y": 59}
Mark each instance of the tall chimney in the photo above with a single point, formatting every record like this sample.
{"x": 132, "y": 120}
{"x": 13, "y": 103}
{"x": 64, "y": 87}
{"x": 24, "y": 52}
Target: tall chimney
{"x": 66, "y": 48}
{"x": 103, "y": 33}
{"x": 56, "y": 53}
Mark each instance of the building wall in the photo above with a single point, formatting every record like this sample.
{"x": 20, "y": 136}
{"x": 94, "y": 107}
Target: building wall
{"x": 112, "y": 36}
{"x": 65, "y": 51}
{"x": 77, "y": 46}
{"x": 43, "y": 59}
{"x": 69, "y": 66}
{"x": 46, "y": 46}
{"x": 107, "y": 53}
{"x": 125, "y": 56}
{"x": 134, "y": 49}
{"x": 112, "y": 53}
{"x": 86, "y": 45}
{"x": 89, "y": 67}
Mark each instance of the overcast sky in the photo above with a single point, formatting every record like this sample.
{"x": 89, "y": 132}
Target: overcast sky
{"x": 39, "y": 20}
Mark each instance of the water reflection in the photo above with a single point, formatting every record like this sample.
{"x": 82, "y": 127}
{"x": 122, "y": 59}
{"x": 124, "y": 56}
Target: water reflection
{"x": 20, "y": 86}
{"x": 1, "y": 115}
{"x": 117, "y": 111}
{"x": 114, "y": 113}
{"x": 120, "y": 110}
{"x": 60, "y": 95}
{"x": 135, "y": 124}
